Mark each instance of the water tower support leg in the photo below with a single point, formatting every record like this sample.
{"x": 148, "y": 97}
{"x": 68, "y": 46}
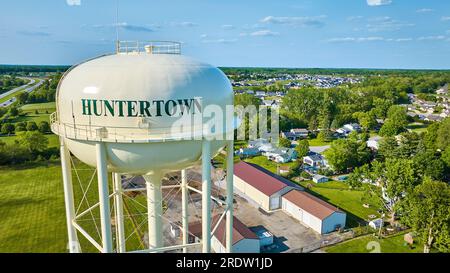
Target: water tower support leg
{"x": 117, "y": 179}
{"x": 206, "y": 196}
{"x": 154, "y": 206}
{"x": 230, "y": 197}
{"x": 74, "y": 246}
{"x": 103, "y": 194}
{"x": 185, "y": 213}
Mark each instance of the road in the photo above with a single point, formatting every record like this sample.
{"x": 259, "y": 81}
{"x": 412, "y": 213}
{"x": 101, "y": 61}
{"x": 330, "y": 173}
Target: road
{"x": 27, "y": 88}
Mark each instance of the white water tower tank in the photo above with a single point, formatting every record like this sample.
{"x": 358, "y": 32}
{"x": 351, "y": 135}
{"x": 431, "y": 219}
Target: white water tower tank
{"x": 143, "y": 111}
{"x": 126, "y": 101}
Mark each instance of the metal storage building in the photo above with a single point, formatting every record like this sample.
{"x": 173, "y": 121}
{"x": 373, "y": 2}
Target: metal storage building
{"x": 313, "y": 212}
{"x": 260, "y": 185}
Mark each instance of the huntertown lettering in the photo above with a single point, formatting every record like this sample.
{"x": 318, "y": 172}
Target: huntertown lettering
{"x": 134, "y": 108}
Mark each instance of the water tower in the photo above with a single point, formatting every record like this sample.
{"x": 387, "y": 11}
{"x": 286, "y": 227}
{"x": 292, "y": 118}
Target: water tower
{"x": 142, "y": 111}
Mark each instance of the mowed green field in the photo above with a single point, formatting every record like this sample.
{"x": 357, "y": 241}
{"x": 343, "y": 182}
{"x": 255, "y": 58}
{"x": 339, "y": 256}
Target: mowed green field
{"x": 369, "y": 243}
{"x": 32, "y": 209}
{"x": 53, "y": 140}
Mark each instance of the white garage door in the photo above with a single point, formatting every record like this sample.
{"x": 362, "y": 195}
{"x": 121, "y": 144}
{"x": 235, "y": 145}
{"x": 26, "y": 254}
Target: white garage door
{"x": 292, "y": 210}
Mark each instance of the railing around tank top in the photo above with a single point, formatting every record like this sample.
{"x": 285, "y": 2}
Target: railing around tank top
{"x": 150, "y": 47}
{"x": 126, "y": 134}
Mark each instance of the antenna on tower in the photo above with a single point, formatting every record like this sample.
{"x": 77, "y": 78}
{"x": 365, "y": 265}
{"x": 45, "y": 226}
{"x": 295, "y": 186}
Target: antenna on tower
{"x": 117, "y": 25}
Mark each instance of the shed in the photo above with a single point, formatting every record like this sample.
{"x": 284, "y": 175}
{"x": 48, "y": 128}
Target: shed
{"x": 244, "y": 240}
{"x": 320, "y": 178}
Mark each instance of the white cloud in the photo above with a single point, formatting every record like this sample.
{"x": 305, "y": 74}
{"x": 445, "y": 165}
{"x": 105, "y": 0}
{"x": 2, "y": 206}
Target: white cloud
{"x": 220, "y": 41}
{"x": 184, "y": 24}
{"x": 33, "y": 33}
{"x": 204, "y": 36}
{"x": 403, "y": 39}
{"x": 125, "y": 26}
{"x": 425, "y": 10}
{"x": 378, "y": 2}
{"x": 432, "y": 38}
{"x": 73, "y": 2}
{"x": 314, "y": 21}
{"x": 386, "y": 23}
{"x": 445, "y": 18}
{"x": 356, "y": 39}
{"x": 228, "y": 27}
{"x": 265, "y": 32}
{"x": 354, "y": 18}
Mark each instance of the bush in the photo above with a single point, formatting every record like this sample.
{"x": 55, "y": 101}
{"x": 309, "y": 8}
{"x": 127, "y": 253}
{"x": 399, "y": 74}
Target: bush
{"x": 32, "y": 126}
{"x": 44, "y": 127}
{"x": 21, "y": 126}
{"x": 13, "y": 154}
{"x": 7, "y": 128}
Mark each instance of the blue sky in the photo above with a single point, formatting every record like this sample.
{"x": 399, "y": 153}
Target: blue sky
{"x": 305, "y": 33}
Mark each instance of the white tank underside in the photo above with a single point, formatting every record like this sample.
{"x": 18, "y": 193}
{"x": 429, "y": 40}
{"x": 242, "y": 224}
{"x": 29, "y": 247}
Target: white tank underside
{"x": 144, "y": 158}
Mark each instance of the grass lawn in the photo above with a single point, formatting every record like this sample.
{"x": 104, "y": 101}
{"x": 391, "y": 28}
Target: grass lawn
{"x": 32, "y": 210}
{"x": 417, "y": 127}
{"x": 318, "y": 142}
{"x": 39, "y": 106}
{"x": 351, "y": 201}
{"x": 53, "y": 140}
{"x": 267, "y": 164}
{"x": 10, "y": 96}
{"x": 394, "y": 244}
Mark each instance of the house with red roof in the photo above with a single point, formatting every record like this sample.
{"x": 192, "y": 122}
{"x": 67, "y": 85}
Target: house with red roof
{"x": 260, "y": 185}
{"x": 244, "y": 240}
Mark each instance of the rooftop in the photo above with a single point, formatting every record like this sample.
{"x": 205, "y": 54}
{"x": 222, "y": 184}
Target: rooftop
{"x": 311, "y": 204}
{"x": 240, "y": 230}
{"x": 261, "y": 179}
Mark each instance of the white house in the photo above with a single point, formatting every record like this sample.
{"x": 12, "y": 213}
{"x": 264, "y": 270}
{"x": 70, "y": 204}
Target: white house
{"x": 261, "y": 186}
{"x": 314, "y": 160}
{"x": 313, "y": 212}
{"x": 320, "y": 178}
{"x": 353, "y": 127}
{"x": 244, "y": 240}
{"x": 257, "y": 143}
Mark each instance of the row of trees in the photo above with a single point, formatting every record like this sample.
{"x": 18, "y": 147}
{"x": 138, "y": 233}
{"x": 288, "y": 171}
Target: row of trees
{"x": 11, "y": 128}
{"x": 30, "y": 146}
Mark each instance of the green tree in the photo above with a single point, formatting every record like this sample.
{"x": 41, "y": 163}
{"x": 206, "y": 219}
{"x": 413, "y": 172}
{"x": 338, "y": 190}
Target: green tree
{"x": 302, "y": 148}
{"x": 32, "y": 126}
{"x": 443, "y": 133}
{"x": 284, "y": 142}
{"x": 347, "y": 153}
{"x": 22, "y": 97}
{"x": 21, "y": 126}
{"x": 431, "y": 136}
{"x": 387, "y": 147}
{"x": 13, "y": 111}
{"x": 396, "y": 122}
{"x": 446, "y": 157}
{"x": 33, "y": 141}
{"x": 427, "y": 211}
{"x": 246, "y": 100}
{"x": 7, "y": 129}
{"x": 367, "y": 120}
{"x": 44, "y": 127}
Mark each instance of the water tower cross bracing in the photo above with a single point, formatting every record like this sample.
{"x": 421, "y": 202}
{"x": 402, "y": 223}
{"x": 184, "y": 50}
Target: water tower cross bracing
{"x": 141, "y": 111}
